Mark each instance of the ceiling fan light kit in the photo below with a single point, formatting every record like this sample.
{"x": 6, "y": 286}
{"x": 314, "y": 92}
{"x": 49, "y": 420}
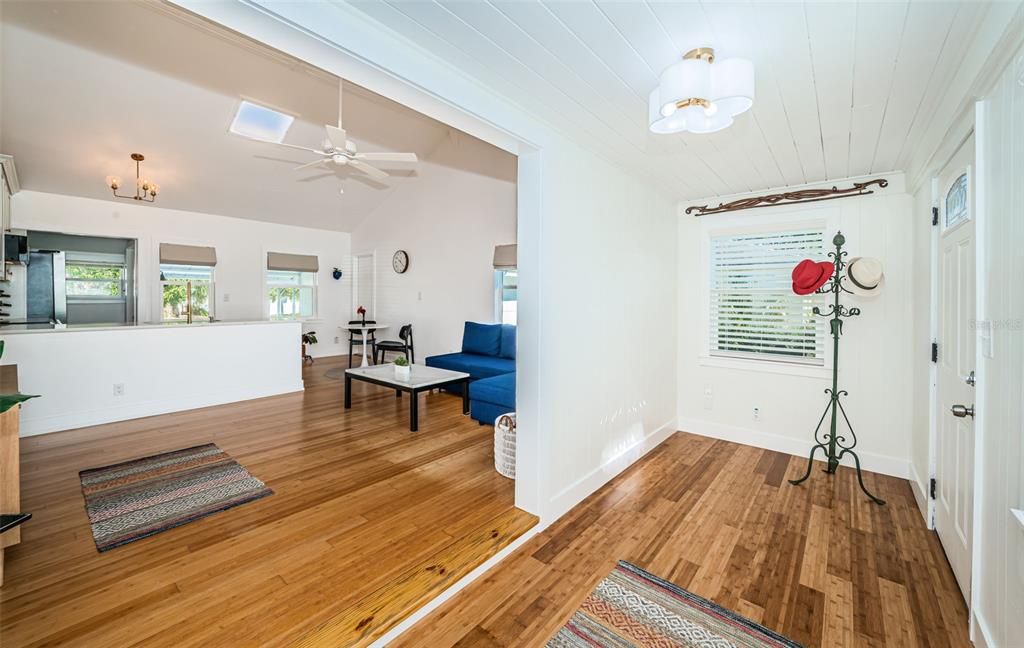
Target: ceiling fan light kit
{"x": 699, "y": 95}
{"x": 145, "y": 190}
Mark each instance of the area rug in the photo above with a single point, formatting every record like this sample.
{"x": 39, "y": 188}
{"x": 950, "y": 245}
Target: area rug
{"x": 135, "y": 499}
{"x": 631, "y": 607}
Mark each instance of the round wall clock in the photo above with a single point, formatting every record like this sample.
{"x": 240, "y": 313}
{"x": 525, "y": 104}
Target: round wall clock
{"x": 400, "y": 261}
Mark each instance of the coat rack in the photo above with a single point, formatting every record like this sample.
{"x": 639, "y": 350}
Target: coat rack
{"x": 834, "y": 445}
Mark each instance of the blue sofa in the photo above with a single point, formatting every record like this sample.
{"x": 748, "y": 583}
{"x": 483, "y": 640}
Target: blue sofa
{"x": 489, "y": 357}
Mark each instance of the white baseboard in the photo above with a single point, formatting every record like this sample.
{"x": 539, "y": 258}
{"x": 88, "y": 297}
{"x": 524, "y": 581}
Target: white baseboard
{"x": 981, "y": 636}
{"x": 31, "y": 426}
{"x": 870, "y": 461}
{"x": 598, "y": 477}
{"x": 920, "y": 489}
{"x": 459, "y": 585}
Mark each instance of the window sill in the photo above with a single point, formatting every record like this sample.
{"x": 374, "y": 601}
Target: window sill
{"x": 765, "y": 366}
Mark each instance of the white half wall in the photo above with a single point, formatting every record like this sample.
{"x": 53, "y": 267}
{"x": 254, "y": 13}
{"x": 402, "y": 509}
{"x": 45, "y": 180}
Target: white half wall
{"x": 875, "y": 351}
{"x": 162, "y": 369}
{"x": 462, "y": 205}
{"x": 241, "y": 244}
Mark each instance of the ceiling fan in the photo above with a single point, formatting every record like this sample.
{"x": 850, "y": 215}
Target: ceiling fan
{"x": 338, "y": 150}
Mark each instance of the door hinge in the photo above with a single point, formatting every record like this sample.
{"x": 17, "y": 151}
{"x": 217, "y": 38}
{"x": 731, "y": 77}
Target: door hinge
{"x": 931, "y": 488}
{"x": 935, "y": 351}
{"x": 935, "y": 216}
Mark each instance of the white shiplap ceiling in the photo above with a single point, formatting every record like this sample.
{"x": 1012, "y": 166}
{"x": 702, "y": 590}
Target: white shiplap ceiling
{"x": 843, "y": 88}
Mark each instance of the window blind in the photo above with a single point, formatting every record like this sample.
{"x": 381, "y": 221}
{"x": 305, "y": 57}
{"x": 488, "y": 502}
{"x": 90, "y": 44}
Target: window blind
{"x": 292, "y": 262}
{"x": 754, "y": 313}
{"x": 193, "y": 255}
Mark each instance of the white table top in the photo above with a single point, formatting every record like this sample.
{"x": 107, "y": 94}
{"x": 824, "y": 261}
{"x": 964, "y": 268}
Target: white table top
{"x": 360, "y": 327}
{"x": 421, "y": 375}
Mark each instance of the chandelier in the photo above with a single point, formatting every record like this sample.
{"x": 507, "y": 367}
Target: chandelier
{"x": 144, "y": 189}
{"x": 699, "y": 95}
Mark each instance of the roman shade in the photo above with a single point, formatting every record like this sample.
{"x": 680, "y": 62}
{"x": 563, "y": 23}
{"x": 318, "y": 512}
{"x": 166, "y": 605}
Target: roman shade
{"x": 292, "y": 262}
{"x": 505, "y": 257}
{"x": 193, "y": 255}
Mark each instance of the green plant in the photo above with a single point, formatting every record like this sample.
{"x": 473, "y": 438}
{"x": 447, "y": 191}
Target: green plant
{"x": 401, "y": 362}
{"x": 309, "y": 337}
{"x": 7, "y": 401}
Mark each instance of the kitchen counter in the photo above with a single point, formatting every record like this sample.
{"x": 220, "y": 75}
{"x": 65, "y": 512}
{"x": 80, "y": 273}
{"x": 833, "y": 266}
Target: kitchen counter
{"x": 11, "y": 329}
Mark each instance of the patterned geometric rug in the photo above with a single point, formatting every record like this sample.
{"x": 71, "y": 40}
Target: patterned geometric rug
{"x": 631, "y": 607}
{"x": 135, "y": 499}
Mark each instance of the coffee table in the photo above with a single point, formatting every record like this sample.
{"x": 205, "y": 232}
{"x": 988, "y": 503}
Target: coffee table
{"x": 421, "y": 378}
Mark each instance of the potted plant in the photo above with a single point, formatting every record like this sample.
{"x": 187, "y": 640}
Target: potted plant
{"x": 309, "y": 337}
{"x": 361, "y": 312}
{"x": 402, "y": 369}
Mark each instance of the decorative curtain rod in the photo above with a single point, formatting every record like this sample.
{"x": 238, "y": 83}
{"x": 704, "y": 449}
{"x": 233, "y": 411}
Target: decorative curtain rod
{"x": 790, "y": 198}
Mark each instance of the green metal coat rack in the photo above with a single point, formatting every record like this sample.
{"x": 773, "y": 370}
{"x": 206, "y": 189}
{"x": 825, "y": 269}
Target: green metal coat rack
{"x": 835, "y": 445}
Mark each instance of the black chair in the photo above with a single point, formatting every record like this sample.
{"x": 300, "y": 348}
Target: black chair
{"x": 355, "y": 339}
{"x": 398, "y": 346}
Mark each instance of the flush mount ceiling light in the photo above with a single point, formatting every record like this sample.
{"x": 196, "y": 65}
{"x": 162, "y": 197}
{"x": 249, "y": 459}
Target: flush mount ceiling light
{"x": 699, "y": 95}
{"x": 144, "y": 189}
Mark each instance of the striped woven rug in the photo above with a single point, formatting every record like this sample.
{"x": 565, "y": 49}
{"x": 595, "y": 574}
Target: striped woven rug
{"x": 135, "y": 499}
{"x": 631, "y": 607}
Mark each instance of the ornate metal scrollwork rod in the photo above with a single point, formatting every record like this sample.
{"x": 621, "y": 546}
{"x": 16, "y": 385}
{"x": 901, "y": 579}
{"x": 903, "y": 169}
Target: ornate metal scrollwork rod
{"x": 832, "y": 442}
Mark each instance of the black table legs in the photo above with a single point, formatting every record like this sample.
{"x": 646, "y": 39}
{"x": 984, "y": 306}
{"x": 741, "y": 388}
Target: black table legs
{"x": 414, "y": 411}
{"x": 348, "y": 392}
{"x": 465, "y": 397}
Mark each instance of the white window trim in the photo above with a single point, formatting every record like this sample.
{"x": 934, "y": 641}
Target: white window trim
{"x": 160, "y": 294}
{"x": 315, "y": 317}
{"x": 316, "y": 296}
{"x": 825, "y": 218}
{"x": 499, "y": 303}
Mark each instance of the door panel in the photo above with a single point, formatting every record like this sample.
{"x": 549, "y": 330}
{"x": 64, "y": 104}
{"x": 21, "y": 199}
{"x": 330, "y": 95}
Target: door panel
{"x": 954, "y": 466}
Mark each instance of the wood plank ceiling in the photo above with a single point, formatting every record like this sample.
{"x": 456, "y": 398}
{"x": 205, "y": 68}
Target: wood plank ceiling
{"x": 843, "y": 89}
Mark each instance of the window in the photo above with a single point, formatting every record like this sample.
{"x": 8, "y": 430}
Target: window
{"x": 94, "y": 280}
{"x": 187, "y": 293}
{"x": 754, "y": 313}
{"x": 258, "y": 122}
{"x": 956, "y": 202}
{"x": 506, "y": 288}
{"x": 291, "y": 294}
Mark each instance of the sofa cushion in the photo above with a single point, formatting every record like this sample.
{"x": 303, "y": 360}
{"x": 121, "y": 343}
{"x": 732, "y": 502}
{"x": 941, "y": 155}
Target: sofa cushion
{"x": 508, "y": 341}
{"x": 500, "y": 390}
{"x": 481, "y": 339}
{"x": 477, "y": 366}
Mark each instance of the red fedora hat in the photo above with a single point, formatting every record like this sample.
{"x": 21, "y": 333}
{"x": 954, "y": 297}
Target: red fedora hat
{"x": 810, "y": 275}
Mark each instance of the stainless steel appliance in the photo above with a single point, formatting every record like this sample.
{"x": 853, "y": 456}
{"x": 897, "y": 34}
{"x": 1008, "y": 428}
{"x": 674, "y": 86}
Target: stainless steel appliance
{"x": 47, "y": 298}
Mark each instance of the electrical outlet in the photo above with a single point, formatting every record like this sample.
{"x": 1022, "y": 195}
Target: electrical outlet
{"x": 227, "y": 298}
{"x": 337, "y": 339}
{"x": 757, "y": 413}
{"x": 118, "y": 389}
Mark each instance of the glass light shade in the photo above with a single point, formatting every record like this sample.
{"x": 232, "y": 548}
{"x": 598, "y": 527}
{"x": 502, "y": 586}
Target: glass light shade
{"x": 659, "y": 124}
{"x": 689, "y": 78}
{"x": 703, "y": 123}
{"x": 113, "y": 182}
{"x": 732, "y": 85}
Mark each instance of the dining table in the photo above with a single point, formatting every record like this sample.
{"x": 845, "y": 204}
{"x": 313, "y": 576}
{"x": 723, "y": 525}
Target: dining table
{"x": 364, "y": 328}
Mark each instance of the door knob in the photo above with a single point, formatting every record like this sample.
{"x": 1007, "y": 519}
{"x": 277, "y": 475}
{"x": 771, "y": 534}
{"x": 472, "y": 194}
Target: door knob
{"x": 960, "y": 411}
{"x": 970, "y": 379}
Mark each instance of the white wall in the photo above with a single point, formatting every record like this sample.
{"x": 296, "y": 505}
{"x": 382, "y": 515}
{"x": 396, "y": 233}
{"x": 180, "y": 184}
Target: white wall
{"x": 162, "y": 369}
{"x": 998, "y": 579}
{"x": 596, "y": 254}
{"x": 875, "y": 349}
{"x": 463, "y": 204}
{"x": 241, "y": 253}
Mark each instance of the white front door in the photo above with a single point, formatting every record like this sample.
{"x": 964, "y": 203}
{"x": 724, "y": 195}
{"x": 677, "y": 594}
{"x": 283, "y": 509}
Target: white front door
{"x": 954, "y": 466}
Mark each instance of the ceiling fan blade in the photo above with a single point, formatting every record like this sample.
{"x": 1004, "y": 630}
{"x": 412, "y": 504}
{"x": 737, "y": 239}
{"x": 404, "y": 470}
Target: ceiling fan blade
{"x": 371, "y": 171}
{"x": 336, "y": 136}
{"x": 308, "y": 165}
{"x": 388, "y": 157}
{"x": 300, "y": 148}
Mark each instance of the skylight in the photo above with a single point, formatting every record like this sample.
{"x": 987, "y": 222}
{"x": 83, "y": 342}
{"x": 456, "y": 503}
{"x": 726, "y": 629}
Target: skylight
{"x": 259, "y": 122}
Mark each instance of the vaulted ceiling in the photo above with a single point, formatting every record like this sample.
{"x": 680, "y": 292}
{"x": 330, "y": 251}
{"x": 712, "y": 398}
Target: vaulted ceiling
{"x": 85, "y": 84}
{"x": 843, "y": 88}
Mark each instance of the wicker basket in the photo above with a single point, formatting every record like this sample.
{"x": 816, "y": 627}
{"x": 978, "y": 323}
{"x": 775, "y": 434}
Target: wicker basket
{"x": 505, "y": 445}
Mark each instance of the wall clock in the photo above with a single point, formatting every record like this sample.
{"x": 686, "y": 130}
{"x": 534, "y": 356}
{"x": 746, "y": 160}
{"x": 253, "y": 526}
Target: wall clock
{"x": 400, "y": 261}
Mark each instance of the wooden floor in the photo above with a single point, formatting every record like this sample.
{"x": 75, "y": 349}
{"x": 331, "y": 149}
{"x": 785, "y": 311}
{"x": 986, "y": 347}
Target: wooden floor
{"x": 367, "y": 522}
{"x": 817, "y": 562}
